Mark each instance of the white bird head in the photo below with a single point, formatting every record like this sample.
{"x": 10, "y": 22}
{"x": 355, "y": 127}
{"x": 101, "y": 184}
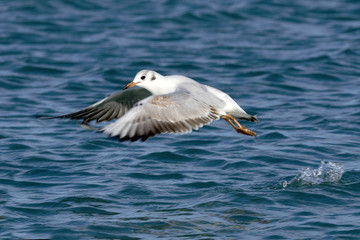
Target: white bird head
{"x": 153, "y": 82}
{"x": 144, "y": 78}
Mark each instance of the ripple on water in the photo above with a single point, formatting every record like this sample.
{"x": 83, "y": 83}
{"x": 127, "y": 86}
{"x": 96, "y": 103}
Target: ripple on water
{"x": 196, "y": 142}
{"x": 273, "y": 135}
{"x": 166, "y": 156}
{"x": 166, "y": 176}
{"x": 135, "y": 190}
{"x": 18, "y": 146}
{"x": 324, "y": 77}
{"x": 83, "y": 199}
{"x": 29, "y": 69}
{"x": 27, "y": 184}
{"x": 199, "y": 185}
{"x": 90, "y": 211}
{"x": 197, "y": 151}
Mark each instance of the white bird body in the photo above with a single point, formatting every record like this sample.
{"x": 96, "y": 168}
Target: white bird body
{"x": 168, "y": 84}
{"x": 163, "y": 104}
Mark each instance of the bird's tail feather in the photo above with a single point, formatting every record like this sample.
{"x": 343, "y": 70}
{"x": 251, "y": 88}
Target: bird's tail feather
{"x": 250, "y": 118}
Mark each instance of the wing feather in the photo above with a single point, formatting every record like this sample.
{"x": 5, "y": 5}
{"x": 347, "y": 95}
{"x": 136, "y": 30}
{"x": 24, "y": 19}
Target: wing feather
{"x": 113, "y": 106}
{"x": 177, "y": 112}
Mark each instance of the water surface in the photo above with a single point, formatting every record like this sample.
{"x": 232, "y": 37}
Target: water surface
{"x": 295, "y": 65}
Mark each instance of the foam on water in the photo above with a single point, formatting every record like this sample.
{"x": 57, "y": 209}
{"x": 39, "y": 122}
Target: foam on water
{"x": 327, "y": 172}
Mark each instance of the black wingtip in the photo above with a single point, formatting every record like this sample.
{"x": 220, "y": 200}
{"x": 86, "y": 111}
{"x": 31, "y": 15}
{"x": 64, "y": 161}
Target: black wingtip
{"x": 254, "y": 119}
{"x": 134, "y": 138}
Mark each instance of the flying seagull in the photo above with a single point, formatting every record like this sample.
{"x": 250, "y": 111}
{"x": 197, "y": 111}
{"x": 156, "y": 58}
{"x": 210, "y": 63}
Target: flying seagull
{"x": 162, "y": 104}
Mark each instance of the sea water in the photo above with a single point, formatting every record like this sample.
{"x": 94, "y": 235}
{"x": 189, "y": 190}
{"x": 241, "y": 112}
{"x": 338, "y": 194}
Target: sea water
{"x": 294, "y": 64}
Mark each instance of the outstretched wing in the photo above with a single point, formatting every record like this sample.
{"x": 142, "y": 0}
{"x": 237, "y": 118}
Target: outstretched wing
{"x": 177, "y": 112}
{"x": 113, "y": 106}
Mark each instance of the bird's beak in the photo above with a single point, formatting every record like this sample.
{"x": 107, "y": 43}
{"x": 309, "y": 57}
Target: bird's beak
{"x": 130, "y": 85}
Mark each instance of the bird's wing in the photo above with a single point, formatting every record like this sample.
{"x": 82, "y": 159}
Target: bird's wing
{"x": 177, "y": 112}
{"x": 113, "y": 106}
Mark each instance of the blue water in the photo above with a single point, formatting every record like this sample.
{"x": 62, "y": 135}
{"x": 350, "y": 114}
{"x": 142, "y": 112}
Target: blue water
{"x": 293, "y": 63}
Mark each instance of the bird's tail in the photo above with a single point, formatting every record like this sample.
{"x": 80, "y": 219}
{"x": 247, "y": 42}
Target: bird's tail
{"x": 250, "y": 118}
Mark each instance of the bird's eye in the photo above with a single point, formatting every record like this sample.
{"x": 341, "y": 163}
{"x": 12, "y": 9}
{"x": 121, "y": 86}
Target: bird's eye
{"x": 142, "y": 77}
{"x": 153, "y": 78}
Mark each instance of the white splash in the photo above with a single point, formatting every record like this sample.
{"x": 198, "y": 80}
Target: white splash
{"x": 327, "y": 172}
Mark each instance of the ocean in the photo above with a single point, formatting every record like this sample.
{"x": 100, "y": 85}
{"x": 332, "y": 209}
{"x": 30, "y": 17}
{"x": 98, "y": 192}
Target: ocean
{"x": 293, "y": 64}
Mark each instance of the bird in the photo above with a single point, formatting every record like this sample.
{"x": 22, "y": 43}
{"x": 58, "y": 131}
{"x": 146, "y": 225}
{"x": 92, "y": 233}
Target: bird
{"x": 154, "y": 104}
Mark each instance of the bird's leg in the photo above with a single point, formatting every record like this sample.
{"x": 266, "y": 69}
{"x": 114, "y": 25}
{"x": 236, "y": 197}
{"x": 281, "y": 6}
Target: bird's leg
{"x": 238, "y": 127}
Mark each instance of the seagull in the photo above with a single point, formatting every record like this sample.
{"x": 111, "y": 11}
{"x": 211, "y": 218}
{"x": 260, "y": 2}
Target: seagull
{"x": 162, "y": 104}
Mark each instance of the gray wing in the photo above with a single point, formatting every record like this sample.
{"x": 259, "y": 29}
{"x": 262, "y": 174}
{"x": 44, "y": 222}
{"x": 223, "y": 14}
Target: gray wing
{"x": 177, "y": 112}
{"x": 113, "y": 106}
